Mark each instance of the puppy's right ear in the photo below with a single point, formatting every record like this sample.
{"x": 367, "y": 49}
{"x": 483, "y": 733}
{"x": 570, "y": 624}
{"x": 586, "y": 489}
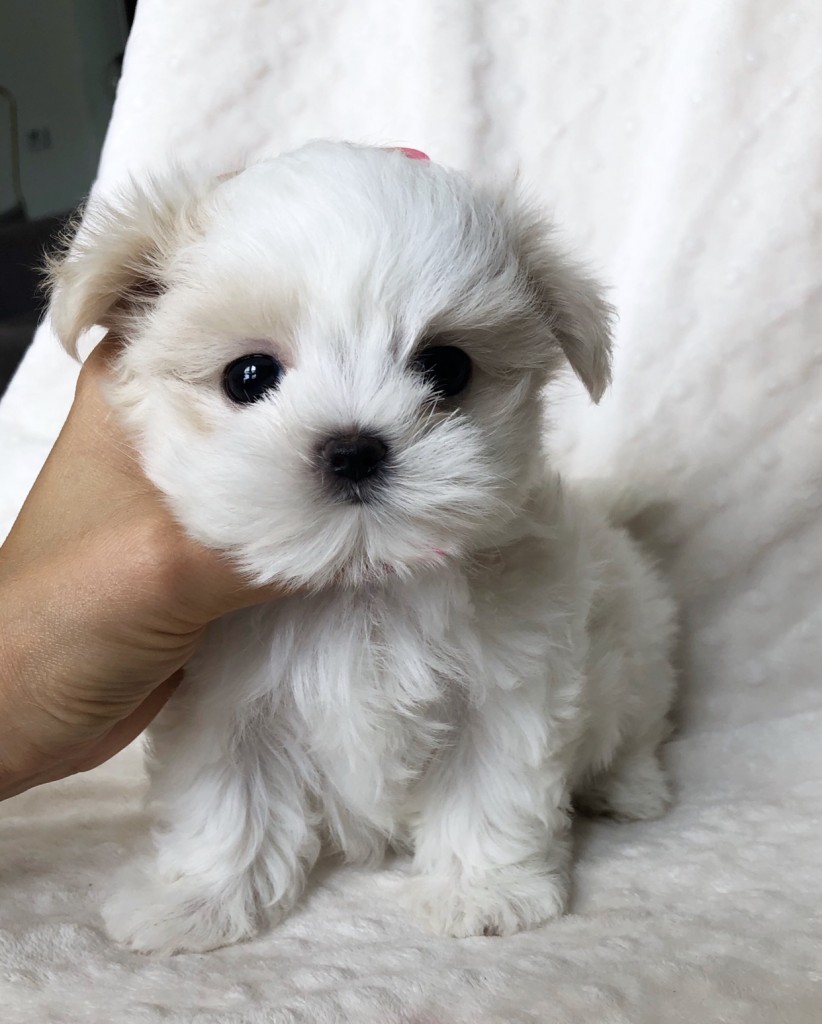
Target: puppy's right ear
{"x": 113, "y": 268}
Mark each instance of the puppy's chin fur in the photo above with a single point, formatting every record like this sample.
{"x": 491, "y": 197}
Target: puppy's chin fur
{"x": 471, "y": 645}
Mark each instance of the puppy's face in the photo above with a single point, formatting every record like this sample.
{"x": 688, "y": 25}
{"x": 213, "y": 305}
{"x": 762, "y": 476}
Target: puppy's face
{"x": 333, "y": 359}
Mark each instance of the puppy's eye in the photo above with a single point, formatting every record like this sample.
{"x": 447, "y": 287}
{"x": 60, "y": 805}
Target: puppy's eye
{"x": 250, "y": 377}
{"x": 446, "y": 368}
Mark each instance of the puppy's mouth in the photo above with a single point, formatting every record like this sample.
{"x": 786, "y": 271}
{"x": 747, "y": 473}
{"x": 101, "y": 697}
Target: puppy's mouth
{"x": 364, "y": 572}
{"x": 356, "y": 492}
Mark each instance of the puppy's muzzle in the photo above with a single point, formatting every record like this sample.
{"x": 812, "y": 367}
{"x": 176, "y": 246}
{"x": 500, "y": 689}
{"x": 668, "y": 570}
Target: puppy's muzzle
{"x": 351, "y": 459}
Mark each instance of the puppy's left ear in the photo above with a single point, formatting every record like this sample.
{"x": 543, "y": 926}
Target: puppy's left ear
{"x": 113, "y": 268}
{"x": 570, "y": 302}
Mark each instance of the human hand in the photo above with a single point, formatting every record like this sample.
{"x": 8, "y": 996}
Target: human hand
{"x": 103, "y": 599}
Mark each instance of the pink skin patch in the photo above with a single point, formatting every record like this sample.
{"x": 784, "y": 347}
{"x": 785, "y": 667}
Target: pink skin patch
{"x": 412, "y": 154}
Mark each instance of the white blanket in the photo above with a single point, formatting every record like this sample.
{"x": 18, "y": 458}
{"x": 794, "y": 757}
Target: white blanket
{"x": 680, "y": 144}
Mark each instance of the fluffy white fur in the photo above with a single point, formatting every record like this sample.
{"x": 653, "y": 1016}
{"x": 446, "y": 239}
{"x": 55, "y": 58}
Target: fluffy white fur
{"x": 466, "y": 651}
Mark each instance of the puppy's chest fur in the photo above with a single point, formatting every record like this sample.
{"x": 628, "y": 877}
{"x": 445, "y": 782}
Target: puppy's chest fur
{"x": 384, "y": 679}
{"x": 376, "y": 685}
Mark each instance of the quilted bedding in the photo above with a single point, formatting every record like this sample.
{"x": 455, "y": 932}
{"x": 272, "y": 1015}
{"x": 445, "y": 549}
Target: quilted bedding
{"x": 680, "y": 145}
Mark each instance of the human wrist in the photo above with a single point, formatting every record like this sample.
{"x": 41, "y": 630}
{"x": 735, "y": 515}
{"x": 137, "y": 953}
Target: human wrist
{"x": 36, "y": 741}
{"x": 19, "y": 764}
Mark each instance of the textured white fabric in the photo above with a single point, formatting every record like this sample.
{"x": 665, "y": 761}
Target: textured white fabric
{"x": 680, "y": 145}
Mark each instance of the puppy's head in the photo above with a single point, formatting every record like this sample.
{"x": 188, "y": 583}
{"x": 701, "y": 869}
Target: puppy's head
{"x": 333, "y": 359}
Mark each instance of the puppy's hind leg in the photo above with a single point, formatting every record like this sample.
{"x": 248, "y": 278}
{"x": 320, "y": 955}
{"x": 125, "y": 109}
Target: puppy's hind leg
{"x": 633, "y": 788}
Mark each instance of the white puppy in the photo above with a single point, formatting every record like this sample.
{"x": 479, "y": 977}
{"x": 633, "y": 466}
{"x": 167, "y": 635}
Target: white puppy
{"x": 333, "y": 370}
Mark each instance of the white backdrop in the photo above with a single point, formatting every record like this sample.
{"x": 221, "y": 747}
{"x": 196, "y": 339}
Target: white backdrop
{"x": 680, "y": 145}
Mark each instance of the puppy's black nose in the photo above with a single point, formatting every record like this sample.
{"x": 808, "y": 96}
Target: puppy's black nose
{"x": 353, "y": 456}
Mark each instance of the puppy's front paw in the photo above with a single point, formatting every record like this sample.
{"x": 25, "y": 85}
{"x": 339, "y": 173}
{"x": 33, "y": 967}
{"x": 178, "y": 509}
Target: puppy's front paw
{"x": 175, "y": 917}
{"x": 500, "y": 901}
